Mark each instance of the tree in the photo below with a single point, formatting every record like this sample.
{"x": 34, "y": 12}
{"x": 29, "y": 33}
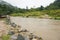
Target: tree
{"x": 41, "y": 8}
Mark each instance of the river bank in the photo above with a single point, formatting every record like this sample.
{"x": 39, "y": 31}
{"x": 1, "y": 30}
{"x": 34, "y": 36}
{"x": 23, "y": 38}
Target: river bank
{"x": 12, "y": 27}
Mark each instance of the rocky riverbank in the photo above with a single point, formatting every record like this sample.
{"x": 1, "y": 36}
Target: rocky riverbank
{"x": 15, "y": 31}
{"x": 21, "y": 34}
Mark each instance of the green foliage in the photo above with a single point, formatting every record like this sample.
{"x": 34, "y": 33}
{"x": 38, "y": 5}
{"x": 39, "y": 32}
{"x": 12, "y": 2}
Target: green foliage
{"x": 54, "y": 13}
{"x": 53, "y": 10}
{"x": 53, "y": 6}
{"x": 5, "y": 9}
{"x": 5, "y": 37}
{"x": 35, "y": 14}
{"x": 39, "y": 8}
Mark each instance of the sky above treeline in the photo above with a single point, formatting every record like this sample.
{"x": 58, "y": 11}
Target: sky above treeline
{"x": 29, "y": 3}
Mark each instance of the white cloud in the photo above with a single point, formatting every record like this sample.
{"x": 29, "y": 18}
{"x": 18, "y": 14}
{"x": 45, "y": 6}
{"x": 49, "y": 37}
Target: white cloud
{"x": 29, "y": 3}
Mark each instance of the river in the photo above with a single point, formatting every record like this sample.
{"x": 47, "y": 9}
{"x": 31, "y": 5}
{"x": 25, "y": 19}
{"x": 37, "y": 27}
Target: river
{"x": 48, "y": 29}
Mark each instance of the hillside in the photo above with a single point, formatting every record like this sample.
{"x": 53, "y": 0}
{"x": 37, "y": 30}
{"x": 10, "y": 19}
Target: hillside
{"x": 6, "y": 8}
{"x": 55, "y": 5}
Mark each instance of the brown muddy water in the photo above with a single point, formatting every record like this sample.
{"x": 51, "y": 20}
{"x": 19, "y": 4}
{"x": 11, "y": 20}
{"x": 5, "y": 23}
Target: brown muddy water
{"x": 48, "y": 29}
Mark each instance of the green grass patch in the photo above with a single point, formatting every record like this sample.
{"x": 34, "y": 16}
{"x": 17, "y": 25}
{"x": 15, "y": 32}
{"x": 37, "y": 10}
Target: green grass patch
{"x": 5, "y": 37}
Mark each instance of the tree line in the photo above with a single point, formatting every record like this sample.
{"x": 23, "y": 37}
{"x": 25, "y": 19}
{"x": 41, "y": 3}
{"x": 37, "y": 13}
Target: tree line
{"x": 52, "y": 10}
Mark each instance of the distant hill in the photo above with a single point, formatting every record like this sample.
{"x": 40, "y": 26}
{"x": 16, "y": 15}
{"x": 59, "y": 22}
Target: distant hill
{"x": 6, "y": 8}
{"x": 3, "y": 2}
{"x": 55, "y": 5}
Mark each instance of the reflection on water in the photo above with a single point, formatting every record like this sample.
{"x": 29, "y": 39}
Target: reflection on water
{"x": 46, "y": 28}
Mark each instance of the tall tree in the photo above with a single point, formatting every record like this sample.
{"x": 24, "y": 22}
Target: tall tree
{"x": 41, "y": 8}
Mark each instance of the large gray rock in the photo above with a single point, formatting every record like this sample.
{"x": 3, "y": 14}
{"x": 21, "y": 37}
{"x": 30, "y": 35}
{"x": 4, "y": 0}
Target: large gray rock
{"x": 13, "y": 37}
{"x": 20, "y": 37}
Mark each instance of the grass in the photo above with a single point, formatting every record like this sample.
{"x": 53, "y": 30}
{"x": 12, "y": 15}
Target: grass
{"x": 55, "y": 14}
{"x": 29, "y": 14}
{"x": 5, "y": 37}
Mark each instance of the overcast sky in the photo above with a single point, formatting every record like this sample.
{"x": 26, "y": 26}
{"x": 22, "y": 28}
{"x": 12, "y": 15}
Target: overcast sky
{"x": 29, "y": 3}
